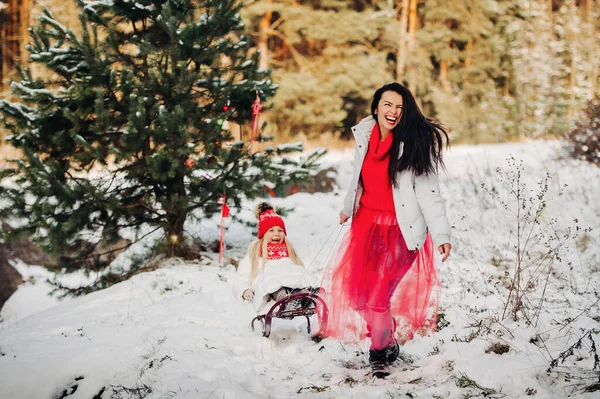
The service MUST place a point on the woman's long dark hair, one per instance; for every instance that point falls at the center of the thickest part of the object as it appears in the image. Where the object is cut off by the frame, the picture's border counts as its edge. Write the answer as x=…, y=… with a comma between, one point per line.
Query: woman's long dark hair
x=422, y=137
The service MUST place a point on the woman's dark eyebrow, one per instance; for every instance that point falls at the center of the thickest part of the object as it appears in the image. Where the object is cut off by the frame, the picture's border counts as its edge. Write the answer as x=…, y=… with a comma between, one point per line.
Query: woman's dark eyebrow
x=387, y=102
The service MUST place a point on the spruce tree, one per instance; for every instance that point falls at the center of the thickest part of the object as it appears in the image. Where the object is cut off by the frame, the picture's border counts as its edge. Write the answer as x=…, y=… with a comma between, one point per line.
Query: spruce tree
x=126, y=129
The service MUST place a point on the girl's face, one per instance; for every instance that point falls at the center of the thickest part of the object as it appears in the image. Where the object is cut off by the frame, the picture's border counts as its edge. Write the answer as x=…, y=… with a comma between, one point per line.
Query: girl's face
x=389, y=111
x=275, y=235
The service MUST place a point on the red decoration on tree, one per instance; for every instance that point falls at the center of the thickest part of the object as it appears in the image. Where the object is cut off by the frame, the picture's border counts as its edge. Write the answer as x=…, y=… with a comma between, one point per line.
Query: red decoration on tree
x=256, y=108
x=270, y=192
x=226, y=107
x=224, y=210
x=224, y=215
x=189, y=163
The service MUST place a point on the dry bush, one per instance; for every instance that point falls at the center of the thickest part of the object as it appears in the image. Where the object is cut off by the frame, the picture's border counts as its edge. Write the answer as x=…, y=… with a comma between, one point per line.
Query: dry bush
x=539, y=243
x=584, y=140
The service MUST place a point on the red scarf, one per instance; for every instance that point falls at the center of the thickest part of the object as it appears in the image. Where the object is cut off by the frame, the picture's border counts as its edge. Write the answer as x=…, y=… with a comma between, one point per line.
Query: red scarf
x=277, y=251
x=377, y=188
x=377, y=148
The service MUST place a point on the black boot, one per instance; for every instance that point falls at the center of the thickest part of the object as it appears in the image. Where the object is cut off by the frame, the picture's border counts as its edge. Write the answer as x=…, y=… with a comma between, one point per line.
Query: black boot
x=378, y=363
x=392, y=351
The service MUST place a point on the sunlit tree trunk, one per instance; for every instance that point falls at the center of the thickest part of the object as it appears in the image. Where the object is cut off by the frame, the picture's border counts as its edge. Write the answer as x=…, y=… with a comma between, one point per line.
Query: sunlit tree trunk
x=24, y=10
x=587, y=10
x=412, y=28
x=444, y=66
x=468, y=60
x=594, y=79
x=263, y=38
x=572, y=43
x=402, y=37
x=13, y=37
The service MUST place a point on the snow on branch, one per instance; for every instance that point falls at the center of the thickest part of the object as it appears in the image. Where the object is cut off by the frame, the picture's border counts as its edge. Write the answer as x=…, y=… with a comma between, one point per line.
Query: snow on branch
x=15, y=109
x=16, y=86
x=91, y=5
x=48, y=18
x=287, y=148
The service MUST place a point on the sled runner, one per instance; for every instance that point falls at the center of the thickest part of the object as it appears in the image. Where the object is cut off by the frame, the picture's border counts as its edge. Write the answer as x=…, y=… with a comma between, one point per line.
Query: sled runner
x=291, y=306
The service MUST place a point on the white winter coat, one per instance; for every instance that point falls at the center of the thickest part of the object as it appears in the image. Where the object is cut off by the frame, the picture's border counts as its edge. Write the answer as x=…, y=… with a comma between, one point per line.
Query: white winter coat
x=276, y=274
x=418, y=202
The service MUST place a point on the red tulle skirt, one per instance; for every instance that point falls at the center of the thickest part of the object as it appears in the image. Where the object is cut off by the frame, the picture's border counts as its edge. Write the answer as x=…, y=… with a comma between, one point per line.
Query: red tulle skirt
x=375, y=287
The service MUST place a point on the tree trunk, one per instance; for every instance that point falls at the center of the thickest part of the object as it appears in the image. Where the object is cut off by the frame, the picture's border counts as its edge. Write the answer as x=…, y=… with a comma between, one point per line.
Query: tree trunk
x=506, y=87
x=176, y=213
x=263, y=38
x=572, y=80
x=594, y=80
x=468, y=54
x=587, y=10
x=24, y=15
x=572, y=43
x=412, y=28
x=444, y=66
x=402, y=56
x=13, y=38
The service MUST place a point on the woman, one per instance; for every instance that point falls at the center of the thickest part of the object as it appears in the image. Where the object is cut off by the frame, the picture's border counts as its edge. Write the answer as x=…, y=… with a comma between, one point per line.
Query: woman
x=383, y=282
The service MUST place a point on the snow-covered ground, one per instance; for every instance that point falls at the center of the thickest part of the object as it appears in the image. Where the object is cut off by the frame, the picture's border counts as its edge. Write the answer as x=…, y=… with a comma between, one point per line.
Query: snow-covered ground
x=178, y=332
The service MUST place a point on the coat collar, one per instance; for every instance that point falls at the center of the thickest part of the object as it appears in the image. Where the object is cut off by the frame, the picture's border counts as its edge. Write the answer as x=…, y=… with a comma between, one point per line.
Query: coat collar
x=362, y=133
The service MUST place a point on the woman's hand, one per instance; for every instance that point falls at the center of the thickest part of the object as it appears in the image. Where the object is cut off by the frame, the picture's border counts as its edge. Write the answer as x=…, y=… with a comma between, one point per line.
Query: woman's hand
x=343, y=217
x=445, y=250
x=248, y=295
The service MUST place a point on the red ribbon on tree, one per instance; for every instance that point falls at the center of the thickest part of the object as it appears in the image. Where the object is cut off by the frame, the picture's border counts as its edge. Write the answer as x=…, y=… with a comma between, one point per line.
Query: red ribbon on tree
x=224, y=215
x=256, y=107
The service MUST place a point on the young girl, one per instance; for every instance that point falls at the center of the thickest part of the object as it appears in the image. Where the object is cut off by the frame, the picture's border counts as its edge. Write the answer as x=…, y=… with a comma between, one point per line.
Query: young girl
x=271, y=269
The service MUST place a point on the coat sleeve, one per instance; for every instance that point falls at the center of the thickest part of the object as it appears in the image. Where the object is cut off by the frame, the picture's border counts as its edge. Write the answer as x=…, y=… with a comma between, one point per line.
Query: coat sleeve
x=433, y=207
x=349, y=202
x=243, y=278
x=350, y=197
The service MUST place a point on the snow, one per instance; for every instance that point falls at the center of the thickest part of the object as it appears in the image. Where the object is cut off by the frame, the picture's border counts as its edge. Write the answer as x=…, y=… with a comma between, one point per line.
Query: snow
x=30, y=91
x=53, y=22
x=32, y=297
x=290, y=147
x=178, y=332
x=149, y=8
x=89, y=5
x=28, y=112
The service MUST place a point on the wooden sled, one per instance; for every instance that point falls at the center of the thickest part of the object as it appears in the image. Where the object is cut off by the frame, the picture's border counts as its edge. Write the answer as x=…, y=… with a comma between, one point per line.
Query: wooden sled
x=294, y=305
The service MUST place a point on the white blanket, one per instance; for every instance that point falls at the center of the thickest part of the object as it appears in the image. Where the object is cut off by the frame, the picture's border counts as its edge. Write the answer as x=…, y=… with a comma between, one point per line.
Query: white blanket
x=276, y=274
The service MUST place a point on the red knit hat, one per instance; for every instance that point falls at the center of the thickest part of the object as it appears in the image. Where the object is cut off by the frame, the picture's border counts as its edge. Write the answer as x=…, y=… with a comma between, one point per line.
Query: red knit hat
x=267, y=218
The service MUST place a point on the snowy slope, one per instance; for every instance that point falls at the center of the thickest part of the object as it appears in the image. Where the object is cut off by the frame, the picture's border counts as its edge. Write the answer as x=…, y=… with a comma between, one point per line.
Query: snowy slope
x=178, y=332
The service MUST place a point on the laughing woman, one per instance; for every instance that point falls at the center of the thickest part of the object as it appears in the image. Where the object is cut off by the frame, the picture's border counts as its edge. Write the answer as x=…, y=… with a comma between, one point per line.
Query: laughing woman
x=383, y=282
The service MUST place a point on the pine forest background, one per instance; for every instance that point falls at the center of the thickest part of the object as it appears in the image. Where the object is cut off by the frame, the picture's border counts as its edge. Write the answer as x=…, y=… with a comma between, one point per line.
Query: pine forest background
x=490, y=70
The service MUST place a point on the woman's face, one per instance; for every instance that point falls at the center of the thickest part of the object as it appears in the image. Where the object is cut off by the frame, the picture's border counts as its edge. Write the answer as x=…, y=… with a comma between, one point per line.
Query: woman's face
x=389, y=111
x=275, y=235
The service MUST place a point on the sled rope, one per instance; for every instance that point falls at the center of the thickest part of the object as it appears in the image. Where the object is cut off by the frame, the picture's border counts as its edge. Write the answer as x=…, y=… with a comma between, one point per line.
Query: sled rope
x=337, y=228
